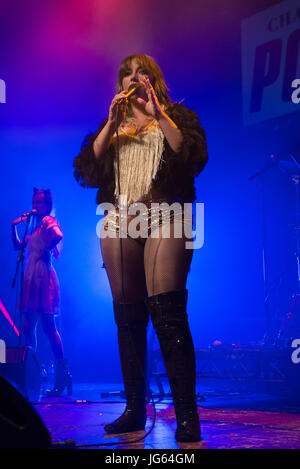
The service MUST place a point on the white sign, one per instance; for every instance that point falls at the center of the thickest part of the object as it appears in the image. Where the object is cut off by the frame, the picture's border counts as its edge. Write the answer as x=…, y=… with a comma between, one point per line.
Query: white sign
x=2, y=91
x=271, y=62
x=2, y=351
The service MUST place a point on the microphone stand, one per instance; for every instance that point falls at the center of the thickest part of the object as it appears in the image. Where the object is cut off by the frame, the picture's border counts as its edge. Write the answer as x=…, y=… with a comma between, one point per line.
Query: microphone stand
x=20, y=265
x=118, y=393
x=260, y=174
x=296, y=295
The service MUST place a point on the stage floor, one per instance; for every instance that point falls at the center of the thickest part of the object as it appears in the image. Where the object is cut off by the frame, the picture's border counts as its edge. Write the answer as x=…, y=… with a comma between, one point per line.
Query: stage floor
x=229, y=420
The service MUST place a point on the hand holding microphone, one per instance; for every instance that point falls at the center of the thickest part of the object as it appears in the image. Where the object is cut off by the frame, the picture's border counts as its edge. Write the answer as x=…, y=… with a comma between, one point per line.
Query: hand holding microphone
x=24, y=217
x=119, y=103
x=131, y=91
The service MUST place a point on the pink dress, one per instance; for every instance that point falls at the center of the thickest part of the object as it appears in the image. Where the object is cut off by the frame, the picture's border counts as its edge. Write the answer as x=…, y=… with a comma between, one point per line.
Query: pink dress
x=41, y=287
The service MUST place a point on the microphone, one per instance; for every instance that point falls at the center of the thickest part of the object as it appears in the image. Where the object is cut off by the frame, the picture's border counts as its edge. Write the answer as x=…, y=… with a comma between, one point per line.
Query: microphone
x=131, y=90
x=29, y=214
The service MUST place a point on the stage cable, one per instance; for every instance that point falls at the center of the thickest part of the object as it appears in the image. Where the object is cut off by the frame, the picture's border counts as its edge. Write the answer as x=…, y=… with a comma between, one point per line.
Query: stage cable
x=147, y=387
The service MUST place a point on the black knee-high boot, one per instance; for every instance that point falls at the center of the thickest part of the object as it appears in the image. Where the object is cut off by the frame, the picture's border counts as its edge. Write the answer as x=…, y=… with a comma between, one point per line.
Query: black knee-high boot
x=169, y=318
x=132, y=320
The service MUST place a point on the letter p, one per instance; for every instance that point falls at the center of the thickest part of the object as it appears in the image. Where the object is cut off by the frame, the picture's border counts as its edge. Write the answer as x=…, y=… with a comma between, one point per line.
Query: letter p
x=266, y=70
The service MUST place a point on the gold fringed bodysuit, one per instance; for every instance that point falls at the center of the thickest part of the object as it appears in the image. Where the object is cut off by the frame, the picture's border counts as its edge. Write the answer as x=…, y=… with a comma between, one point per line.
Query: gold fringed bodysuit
x=140, y=156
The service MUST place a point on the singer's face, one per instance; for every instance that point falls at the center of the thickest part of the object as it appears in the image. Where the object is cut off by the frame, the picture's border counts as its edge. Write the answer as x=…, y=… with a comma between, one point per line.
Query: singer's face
x=135, y=74
x=39, y=204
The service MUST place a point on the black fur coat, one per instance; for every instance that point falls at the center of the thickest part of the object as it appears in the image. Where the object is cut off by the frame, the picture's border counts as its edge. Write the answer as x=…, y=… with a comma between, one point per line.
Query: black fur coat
x=176, y=173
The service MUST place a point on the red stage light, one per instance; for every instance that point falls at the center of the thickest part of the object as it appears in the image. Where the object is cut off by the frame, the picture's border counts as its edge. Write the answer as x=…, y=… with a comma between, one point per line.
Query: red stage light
x=7, y=316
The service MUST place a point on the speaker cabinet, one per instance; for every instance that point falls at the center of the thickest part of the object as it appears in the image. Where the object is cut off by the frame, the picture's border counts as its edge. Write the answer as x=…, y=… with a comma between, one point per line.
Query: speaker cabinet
x=20, y=425
x=22, y=370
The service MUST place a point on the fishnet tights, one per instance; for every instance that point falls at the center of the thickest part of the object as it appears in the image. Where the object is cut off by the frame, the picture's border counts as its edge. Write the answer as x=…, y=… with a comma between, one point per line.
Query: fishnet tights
x=150, y=266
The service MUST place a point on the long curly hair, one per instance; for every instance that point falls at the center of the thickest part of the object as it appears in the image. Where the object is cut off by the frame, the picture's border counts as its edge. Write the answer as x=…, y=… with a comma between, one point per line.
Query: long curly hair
x=151, y=67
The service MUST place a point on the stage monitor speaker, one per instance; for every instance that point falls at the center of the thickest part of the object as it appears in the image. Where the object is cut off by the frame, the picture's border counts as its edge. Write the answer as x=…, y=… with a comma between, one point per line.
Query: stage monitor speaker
x=22, y=370
x=20, y=425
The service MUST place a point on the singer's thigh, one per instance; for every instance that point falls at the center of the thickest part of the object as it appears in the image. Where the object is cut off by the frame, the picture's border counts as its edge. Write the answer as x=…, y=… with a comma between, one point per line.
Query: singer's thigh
x=133, y=269
x=167, y=262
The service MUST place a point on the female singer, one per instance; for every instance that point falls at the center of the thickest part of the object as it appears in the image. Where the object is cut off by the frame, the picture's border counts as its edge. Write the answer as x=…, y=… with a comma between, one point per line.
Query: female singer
x=40, y=285
x=161, y=148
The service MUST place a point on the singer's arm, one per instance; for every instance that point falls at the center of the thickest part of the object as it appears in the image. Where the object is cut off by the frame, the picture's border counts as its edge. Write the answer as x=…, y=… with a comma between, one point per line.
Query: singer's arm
x=51, y=232
x=116, y=112
x=102, y=141
x=171, y=132
x=14, y=235
x=54, y=236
